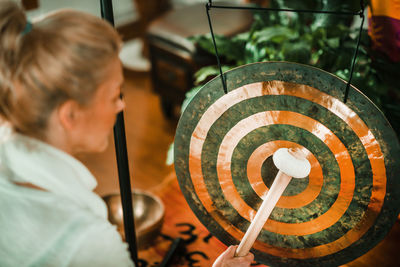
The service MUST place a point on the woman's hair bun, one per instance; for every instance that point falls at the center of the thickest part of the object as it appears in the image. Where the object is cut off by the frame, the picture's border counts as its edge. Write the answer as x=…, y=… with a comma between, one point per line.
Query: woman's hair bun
x=12, y=23
x=63, y=57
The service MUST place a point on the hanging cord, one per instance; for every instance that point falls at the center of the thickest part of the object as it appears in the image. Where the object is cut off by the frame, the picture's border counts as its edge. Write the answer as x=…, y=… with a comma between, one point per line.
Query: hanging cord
x=210, y=5
x=344, y=13
x=361, y=13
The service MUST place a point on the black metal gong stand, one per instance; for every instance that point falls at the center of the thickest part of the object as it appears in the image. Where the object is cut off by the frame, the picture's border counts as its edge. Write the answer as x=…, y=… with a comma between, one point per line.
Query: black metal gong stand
x=360, y=13
x=122, y=160
x=124, y=176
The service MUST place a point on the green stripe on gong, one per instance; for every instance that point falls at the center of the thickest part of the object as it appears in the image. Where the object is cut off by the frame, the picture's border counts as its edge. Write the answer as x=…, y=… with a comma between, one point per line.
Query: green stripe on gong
x=317, y=112
x=325, y=82
x=330, y=169
x=331, y=172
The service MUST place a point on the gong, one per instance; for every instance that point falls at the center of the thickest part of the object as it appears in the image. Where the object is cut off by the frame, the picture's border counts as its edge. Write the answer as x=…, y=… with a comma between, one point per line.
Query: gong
x=223, y=149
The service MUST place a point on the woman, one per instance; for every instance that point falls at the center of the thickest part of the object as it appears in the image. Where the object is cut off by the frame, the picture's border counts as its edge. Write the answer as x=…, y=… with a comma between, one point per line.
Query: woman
x=60, y=84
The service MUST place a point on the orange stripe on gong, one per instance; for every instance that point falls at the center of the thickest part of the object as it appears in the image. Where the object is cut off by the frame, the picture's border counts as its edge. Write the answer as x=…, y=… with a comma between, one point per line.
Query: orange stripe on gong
x=245, y=126
x=351, y=118
x=254, y=165
x=200, y=133
x=333, y=105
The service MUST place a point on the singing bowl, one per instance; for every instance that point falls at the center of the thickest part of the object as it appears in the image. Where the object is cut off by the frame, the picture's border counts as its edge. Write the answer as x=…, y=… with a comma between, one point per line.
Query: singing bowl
x=148, y=215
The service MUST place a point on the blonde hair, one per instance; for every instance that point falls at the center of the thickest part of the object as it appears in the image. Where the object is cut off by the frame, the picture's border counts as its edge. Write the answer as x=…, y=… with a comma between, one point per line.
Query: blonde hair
x=62, y=57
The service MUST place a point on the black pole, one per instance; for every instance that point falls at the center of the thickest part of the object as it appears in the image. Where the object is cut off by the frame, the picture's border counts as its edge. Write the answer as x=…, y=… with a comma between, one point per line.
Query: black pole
x=107, y=11
x=353, y=62
x=208, y=5
x=173, y=250
x=122, y=160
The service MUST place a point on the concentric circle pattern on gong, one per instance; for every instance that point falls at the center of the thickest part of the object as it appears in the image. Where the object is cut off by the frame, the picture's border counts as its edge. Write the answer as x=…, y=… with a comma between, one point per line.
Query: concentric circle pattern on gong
x=223, y=149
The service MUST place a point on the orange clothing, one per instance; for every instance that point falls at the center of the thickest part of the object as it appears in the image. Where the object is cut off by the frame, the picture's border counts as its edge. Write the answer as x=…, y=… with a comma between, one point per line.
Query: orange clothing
x=384, y=27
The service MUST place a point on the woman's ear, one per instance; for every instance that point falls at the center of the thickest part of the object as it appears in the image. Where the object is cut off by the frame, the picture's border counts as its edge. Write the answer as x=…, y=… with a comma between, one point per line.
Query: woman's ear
x=68, y=114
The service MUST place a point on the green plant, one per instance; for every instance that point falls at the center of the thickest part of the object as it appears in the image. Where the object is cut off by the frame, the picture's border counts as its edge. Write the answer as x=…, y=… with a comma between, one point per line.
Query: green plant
x=324, y=41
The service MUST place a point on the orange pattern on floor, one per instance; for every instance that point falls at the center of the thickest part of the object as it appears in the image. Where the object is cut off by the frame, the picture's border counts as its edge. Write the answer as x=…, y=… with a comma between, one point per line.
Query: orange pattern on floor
x=201, y=249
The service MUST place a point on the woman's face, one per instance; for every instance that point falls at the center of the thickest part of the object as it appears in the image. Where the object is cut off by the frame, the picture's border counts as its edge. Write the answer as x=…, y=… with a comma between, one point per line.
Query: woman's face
x=98, y=117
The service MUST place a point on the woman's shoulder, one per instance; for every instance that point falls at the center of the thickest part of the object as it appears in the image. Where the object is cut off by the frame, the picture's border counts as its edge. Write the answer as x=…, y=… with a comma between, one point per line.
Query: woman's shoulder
x=5, y=131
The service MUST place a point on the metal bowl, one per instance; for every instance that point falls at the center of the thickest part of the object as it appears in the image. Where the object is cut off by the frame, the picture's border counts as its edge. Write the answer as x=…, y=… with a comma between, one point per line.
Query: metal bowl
x=148, y=214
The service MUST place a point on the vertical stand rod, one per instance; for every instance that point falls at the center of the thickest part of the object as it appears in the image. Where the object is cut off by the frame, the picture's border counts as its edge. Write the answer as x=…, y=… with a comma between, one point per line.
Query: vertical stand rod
x=122, y=161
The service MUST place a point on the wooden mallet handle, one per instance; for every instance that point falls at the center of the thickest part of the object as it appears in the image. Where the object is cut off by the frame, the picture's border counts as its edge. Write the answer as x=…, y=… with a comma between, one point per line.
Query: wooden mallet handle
x=290, y=163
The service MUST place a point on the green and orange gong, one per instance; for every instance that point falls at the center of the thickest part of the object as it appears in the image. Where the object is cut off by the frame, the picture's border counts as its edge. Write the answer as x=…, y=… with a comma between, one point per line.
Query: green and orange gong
x=223, y=148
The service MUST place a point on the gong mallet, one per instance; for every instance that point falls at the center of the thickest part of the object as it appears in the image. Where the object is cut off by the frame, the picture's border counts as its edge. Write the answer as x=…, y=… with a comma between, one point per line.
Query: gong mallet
x=290, y=163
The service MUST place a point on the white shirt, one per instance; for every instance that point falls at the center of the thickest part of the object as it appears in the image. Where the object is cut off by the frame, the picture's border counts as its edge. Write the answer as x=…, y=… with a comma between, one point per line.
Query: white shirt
x=65, y=225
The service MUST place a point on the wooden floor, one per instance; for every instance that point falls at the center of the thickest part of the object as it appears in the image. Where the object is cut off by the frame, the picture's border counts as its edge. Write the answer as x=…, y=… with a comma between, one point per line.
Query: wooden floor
x=149, y=135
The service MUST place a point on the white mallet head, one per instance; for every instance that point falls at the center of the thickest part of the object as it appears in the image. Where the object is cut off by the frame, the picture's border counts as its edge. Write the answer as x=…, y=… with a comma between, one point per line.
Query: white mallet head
x=291, y=162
